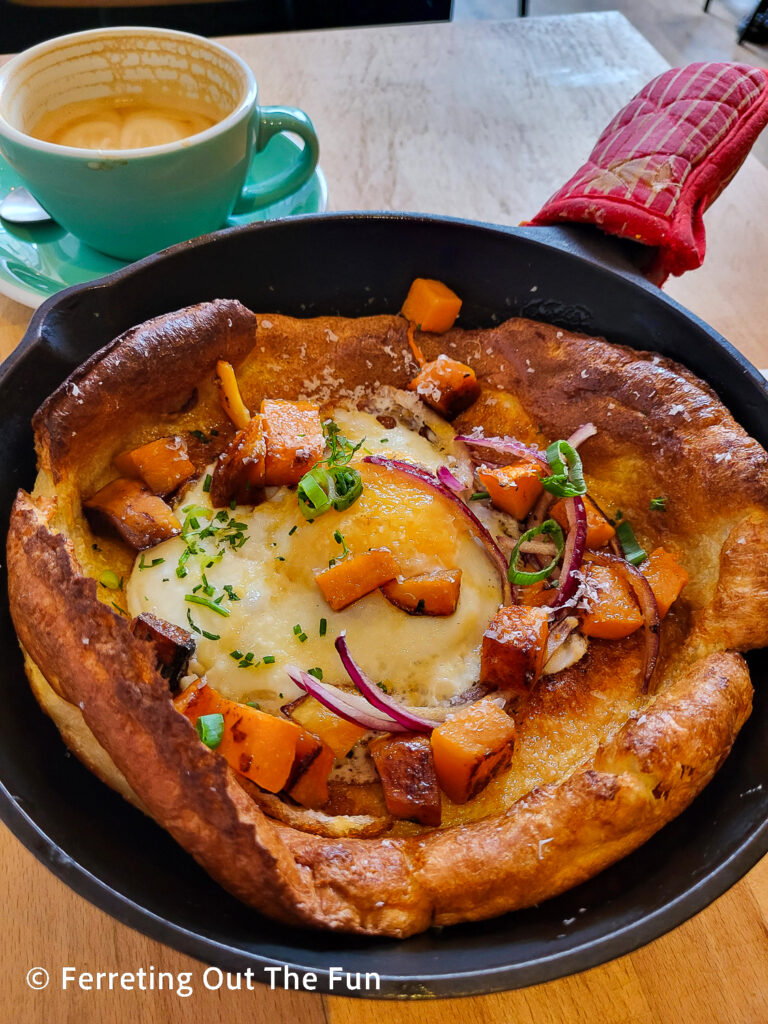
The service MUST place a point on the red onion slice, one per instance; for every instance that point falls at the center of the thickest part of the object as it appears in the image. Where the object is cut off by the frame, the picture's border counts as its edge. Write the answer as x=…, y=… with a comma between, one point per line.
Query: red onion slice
x=493, y=549
x=507, y=446
x=641, y=588
x=380, y=700
x=446, y=477
x=582, y=434
x=348, y=706
x=574, y=550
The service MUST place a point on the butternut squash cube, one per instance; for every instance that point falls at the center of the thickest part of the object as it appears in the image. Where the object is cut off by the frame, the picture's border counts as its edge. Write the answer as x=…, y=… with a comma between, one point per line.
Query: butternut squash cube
x=471, y=748
x=294, y=439
x=346, y=582
x=431, y=593
x=514, y=489
x=163, y=465
x=335, y=732
x=599, y=530
x=407, y=772
x=446, y=385
x=514, y=646
x=240, y=469
x=129, y=509
x=666, y=577
x=431, y=305
x=308, y=783
x=614, y=611
x=260, y=746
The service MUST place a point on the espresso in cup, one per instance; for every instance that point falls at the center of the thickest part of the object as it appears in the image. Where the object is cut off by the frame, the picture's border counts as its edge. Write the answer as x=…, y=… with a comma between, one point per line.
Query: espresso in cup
x=122, y=122
x=136, y=138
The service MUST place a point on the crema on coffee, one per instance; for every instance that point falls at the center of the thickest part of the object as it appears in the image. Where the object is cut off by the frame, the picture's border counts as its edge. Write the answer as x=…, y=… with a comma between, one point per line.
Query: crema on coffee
x=121, y=123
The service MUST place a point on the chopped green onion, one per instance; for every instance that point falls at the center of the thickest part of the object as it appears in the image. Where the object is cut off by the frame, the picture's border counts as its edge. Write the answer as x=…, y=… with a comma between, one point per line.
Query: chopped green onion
x=323, y=626
x=152, y=564
x=520, y=578
x=110, y=580
x=479, y=496
x=210, y=729
x=207, y=603
x=629, y=545
x=567, y=479
x=659, y=504
x=313, y=498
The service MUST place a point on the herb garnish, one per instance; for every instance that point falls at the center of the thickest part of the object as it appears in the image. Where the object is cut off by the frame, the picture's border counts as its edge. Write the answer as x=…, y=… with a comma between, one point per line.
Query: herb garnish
x=316, y=672
x=338, y=536
x=210, y=729
x=331, y=483
x=520, y=578
x=629, y=545
x=659, y=504
x=111, y=580
x=201, y=632
x=201, y=524
x=567, y=477
x=200, y=436
x=479, y=496
x=152, y=564
x=323, y=627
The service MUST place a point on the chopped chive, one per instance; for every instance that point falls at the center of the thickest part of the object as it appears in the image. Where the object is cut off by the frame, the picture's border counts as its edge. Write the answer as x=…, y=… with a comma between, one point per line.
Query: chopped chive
x=253, y=704
x=121, y=610
x=237, y=655
x=200, y=436
x=659, y=504
x=302, y=637
x=110, y=580
x=292, y=530
x=210, y=729
x=279, y=558
x=297, y=629
x=233, y=504
x=207, y=603
x=479, y=496
x=210, y=636
x=323, y=626
x=316, y=672
x=152, y=564
x=207, y=483
x=268, y=659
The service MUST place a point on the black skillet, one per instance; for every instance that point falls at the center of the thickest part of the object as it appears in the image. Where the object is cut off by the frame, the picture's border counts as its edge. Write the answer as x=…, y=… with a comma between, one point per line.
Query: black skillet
x=353, y=265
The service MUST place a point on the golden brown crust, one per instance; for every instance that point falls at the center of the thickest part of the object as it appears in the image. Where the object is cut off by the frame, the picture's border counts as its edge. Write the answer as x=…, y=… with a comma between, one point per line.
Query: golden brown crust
x=637, y=766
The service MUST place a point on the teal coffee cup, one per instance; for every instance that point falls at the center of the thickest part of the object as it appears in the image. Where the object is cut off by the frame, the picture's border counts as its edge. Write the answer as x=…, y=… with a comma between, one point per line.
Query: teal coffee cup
x=136, y=138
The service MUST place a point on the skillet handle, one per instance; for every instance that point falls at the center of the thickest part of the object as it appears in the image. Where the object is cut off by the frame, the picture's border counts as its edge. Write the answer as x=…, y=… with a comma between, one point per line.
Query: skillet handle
x=664, y=159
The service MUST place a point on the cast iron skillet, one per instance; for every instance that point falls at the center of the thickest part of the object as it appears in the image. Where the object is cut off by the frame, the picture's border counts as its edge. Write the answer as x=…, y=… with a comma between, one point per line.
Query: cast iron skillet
x=353, y=265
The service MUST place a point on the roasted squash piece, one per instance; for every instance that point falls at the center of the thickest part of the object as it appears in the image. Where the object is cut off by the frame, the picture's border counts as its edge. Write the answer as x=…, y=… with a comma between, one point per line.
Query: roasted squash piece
x=294, y=439
x=599, y=530
x=308, y=782
x=239, y=470
x=514, y=489
x=430, y=593
x=347, y=581
x=129, y=509
x=260, y=746
x=472, y=747
x=229, y=392
x=614, y=611
x=666, y=577
x=446, y=385
x=407, y=772
x=514, y=646
x=173, y=645
x=536, y=595
x=163, y=465
x=431, y=305
x=335, y=732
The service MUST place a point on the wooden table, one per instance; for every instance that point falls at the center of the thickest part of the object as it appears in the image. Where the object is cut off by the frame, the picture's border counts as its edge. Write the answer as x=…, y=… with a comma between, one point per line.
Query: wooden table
x=481, y=120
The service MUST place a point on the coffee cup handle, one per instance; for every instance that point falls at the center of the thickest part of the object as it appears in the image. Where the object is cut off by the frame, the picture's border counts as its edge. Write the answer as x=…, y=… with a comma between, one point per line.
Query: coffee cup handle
x=269, y=121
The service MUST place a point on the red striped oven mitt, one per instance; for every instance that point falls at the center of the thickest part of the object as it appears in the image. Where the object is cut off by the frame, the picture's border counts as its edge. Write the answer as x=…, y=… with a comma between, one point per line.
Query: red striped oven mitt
x=665, y=158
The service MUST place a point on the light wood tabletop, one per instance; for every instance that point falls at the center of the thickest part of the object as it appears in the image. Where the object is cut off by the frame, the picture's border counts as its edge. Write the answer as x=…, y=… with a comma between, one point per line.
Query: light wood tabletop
x=479, y=120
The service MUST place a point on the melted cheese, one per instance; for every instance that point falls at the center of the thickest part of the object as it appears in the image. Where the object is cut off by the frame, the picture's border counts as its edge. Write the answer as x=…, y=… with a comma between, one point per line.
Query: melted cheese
x=425, y=660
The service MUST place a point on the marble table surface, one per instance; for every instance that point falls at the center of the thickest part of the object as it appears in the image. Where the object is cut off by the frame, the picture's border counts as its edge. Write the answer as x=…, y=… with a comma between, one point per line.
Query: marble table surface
x=481, y=120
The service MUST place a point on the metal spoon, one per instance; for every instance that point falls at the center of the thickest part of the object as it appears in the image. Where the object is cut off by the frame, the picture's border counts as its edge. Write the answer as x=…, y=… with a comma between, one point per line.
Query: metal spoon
x=21, y=207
